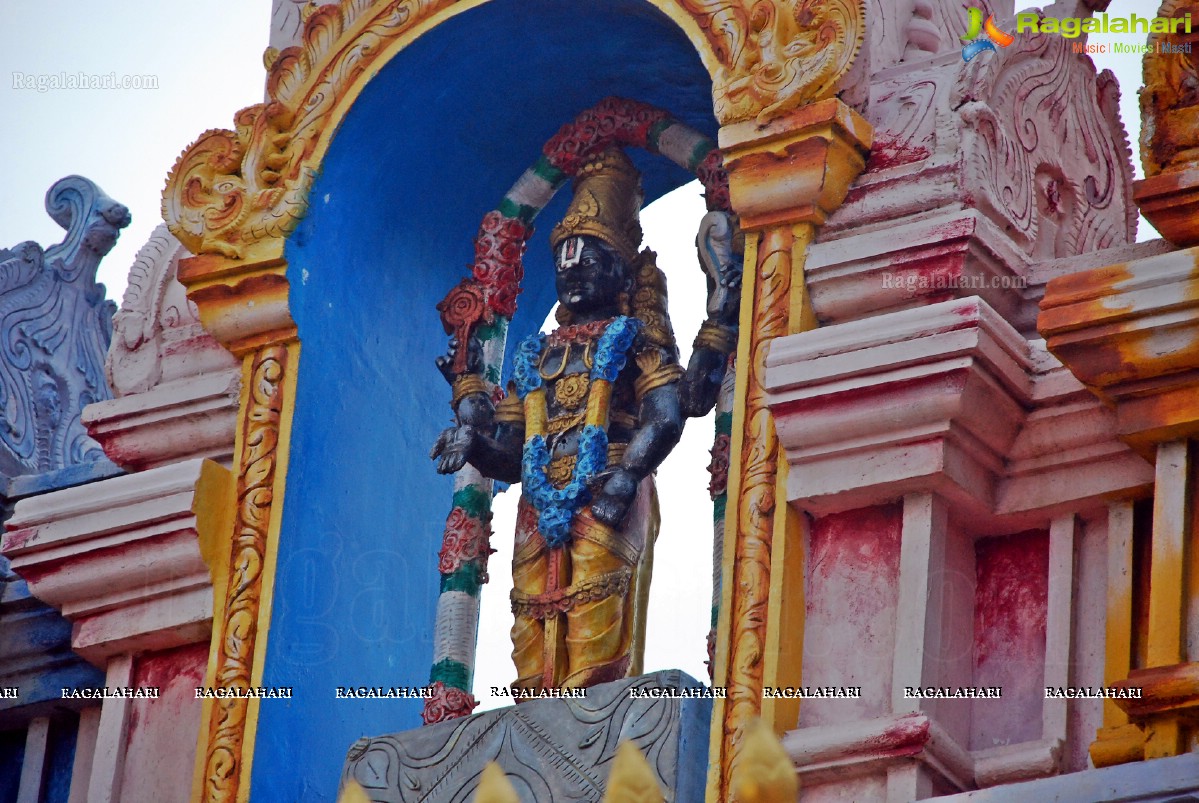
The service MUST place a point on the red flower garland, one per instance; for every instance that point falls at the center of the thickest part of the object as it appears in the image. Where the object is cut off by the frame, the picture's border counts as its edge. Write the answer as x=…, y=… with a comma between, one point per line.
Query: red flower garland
x=447, y=703
x=499, y=248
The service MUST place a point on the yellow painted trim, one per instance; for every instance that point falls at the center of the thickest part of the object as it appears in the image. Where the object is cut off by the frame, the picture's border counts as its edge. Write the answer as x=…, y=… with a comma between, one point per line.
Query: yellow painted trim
x=1118, y=660
x=1171, y=525
x=270, y=562
x=720, y=674
x=786, y=611
x=213, y=505
x=801, y=316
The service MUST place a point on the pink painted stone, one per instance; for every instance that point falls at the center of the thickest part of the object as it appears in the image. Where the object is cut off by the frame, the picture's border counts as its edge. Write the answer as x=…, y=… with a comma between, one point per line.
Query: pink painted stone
x=1009, y=637
x=160, y=751
x=850, y=626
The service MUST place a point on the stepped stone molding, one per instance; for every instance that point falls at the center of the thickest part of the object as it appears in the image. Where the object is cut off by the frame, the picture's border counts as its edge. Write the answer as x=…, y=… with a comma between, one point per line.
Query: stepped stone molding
x=946, y=398
x=120, y=559
x=176, y=387
x=1130, y=332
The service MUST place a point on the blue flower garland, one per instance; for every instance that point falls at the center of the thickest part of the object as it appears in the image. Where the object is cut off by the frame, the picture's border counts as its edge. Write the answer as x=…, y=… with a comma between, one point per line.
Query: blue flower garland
x=557, y=506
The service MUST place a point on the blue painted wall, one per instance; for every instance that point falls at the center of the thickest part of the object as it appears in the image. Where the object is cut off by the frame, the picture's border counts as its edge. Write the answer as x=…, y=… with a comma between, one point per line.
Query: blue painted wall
x=430, y=146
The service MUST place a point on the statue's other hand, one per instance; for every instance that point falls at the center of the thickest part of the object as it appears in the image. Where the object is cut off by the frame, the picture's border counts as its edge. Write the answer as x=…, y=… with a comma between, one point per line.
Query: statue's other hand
x=720, y=260
x=612, y=504
x=474, y=359
x=453, y=447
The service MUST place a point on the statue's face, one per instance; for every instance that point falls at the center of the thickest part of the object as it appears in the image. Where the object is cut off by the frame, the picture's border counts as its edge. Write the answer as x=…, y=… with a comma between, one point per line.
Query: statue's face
x=590, y=276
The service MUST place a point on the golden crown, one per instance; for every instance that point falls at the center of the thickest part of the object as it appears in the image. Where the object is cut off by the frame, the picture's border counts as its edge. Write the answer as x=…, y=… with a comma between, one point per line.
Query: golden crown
x=606, y=204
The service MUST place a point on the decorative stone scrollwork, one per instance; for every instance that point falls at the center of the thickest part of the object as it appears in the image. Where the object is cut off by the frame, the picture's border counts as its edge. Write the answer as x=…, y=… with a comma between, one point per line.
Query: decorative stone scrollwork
x=777, y=55
x=55, y=324
x=157, y=335
x=232, y=189
x=1019, y=107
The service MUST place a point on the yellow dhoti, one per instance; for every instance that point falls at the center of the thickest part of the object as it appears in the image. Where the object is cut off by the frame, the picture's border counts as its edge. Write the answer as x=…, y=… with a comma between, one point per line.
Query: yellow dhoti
x=576, y=606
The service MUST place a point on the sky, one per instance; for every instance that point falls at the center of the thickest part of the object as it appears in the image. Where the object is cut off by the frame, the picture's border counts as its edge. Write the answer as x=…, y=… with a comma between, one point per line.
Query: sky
x=195, y=64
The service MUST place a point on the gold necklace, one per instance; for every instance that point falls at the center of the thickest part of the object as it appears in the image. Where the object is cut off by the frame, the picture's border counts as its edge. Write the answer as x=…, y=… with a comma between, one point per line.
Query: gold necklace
x=561, y=368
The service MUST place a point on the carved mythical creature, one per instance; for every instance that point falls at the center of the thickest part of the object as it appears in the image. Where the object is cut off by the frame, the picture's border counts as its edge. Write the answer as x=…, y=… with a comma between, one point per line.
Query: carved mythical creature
x=593, y=409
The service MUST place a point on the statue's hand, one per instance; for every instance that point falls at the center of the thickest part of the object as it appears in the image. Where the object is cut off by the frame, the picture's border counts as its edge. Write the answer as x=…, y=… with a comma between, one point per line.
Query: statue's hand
x=612, y=504
x=474, y=359
x=454, y=447
x=718, y=256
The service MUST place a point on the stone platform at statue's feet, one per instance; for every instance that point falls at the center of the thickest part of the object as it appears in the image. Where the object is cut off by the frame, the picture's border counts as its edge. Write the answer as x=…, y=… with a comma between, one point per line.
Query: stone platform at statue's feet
x=551, y=749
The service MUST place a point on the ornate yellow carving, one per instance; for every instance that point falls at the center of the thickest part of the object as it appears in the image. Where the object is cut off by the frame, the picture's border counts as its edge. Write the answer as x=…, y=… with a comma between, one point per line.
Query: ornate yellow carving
x=1170, y=99
x=827, y=143
x=632, y=780
x=777, y=55
x=232, y=190
x=571, y=390
x=764, y=773
x=237, y=631
x=494, y=786
x=754, y=492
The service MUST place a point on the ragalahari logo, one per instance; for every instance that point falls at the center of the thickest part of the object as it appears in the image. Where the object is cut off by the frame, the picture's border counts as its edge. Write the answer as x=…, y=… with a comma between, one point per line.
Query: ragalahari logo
x=982, y=35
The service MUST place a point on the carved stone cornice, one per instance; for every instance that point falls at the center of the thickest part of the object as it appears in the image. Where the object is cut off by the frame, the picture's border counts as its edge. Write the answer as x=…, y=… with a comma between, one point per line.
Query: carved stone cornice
x=947, y=398
x=1130, y=333
x=243, y=304
x=933, y=396
x=797, y=168
x=80, y=549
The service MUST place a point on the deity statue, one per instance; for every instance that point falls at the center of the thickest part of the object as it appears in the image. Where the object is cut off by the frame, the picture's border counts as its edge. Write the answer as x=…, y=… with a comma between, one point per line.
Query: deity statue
x=593, y=408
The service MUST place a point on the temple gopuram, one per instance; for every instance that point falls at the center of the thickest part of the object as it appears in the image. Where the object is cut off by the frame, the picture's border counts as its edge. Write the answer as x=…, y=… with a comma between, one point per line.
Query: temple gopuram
x=249, y=514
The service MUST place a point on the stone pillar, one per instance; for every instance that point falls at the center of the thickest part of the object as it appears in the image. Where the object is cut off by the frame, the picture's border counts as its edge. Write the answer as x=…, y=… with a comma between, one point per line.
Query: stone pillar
x=1128, y=332
x=243, y=304
x=784, y=179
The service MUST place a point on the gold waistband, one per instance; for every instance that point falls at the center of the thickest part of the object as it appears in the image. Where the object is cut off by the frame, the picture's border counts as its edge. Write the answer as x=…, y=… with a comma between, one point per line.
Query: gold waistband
x=561, y=468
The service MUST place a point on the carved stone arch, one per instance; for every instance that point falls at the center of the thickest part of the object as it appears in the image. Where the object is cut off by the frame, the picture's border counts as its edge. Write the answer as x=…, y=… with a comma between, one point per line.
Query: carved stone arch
x=279, y=258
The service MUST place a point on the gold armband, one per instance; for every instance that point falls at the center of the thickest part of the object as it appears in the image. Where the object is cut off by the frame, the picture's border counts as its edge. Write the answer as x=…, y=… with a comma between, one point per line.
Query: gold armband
x=467, y=384
x=654, y=372
x=510, y=410
x=717, y=337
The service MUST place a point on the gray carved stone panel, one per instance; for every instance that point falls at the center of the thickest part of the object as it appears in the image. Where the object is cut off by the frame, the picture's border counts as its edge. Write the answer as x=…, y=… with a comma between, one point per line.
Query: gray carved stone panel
x=55, y=327
x=551, y=750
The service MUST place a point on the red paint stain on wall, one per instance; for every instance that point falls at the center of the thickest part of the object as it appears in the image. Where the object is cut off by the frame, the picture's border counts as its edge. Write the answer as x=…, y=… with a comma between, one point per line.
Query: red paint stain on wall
x=1013, y=589
x=1009, y=635
x=163, y=733
x=853, y=569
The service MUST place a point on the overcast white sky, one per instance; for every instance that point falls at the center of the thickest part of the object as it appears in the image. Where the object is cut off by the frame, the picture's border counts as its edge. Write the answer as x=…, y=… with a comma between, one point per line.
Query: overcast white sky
x=205, y=57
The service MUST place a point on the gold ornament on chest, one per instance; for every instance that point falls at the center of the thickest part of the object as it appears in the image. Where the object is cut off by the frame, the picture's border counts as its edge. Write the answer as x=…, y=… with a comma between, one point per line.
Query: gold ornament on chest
x=570, y=391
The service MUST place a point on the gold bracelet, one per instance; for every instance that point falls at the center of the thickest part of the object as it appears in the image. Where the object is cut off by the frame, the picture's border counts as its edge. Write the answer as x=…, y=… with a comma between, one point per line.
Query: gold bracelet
x=717, y=337
x=467, y=384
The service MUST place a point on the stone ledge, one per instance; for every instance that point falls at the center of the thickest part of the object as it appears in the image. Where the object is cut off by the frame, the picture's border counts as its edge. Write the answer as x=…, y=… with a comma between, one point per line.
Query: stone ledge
x=550, y=749
x=120, y=559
